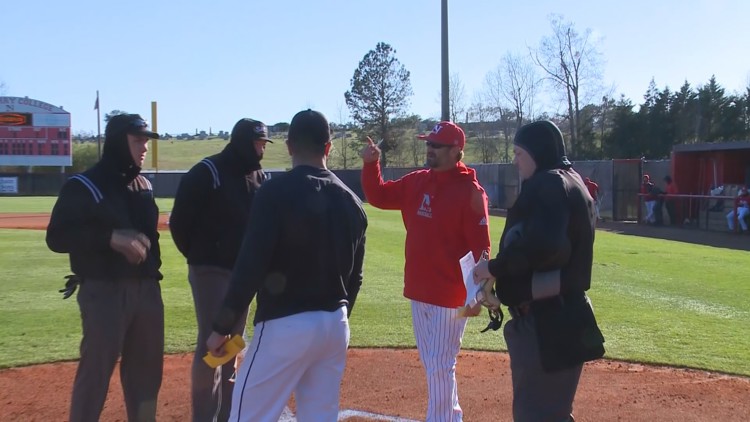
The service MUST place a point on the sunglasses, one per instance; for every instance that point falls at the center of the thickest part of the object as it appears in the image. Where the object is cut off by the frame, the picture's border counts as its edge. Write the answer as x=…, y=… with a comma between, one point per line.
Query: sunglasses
x=433, y=145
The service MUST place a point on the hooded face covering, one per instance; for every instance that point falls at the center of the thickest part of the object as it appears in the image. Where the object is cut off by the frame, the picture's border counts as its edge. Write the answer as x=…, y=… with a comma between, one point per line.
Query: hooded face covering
x=242, y=142
x=116, y=151
x=544, y=142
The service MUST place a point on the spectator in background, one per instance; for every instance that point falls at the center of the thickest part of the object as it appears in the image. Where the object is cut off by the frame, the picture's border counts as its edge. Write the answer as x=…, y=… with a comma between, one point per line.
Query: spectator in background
x=593, y=188
x=717, y=191
x=740, y=211
x=647, y=190
x=670, y=201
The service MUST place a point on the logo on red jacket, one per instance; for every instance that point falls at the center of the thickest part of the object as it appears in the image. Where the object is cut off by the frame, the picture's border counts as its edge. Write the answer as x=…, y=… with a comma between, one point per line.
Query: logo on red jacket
x=425, y=210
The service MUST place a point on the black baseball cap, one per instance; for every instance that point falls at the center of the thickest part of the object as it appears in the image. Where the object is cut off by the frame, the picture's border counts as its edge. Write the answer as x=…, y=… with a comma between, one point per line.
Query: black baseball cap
x=309, y=126
x=250, y=130
x=132, y=124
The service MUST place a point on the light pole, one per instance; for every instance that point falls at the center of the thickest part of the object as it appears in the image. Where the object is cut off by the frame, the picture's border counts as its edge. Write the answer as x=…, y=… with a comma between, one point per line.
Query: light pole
x=445, y=109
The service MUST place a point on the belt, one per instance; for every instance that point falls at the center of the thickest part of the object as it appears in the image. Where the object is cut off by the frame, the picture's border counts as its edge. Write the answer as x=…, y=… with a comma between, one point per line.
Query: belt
x=520, y=310
x=525, y=308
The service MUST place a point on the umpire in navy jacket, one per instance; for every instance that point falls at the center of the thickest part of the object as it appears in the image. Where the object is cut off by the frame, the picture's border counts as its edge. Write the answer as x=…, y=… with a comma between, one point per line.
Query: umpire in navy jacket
x=542, y=271
x=106, y=220
x=208, y=222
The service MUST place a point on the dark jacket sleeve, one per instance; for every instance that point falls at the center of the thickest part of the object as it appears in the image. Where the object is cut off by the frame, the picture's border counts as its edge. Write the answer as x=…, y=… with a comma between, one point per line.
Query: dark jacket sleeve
x=73, y=225
x=253, y=260
x=539, y=242
x=355, y=280
x=188, y=204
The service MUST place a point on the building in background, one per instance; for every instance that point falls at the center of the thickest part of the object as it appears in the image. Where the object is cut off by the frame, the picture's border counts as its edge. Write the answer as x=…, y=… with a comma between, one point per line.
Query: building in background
x=34, y=133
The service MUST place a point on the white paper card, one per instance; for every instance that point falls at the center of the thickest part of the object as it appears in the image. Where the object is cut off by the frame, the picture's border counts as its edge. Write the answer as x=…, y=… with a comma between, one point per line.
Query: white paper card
x=467, y=270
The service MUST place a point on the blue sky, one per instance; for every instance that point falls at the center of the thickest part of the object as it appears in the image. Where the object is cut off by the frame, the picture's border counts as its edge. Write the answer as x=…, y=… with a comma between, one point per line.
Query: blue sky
x=209, y=63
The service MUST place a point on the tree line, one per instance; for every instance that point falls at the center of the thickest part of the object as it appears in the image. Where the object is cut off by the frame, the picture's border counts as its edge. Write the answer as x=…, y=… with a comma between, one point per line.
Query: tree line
x=567, y=66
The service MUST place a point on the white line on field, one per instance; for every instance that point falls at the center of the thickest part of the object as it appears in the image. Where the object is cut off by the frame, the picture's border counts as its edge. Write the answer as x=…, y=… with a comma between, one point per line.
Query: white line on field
x=288, y=416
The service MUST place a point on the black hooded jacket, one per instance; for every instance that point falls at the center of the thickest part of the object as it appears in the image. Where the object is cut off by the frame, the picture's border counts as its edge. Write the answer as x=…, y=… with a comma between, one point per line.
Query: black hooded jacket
x=546, y=248
x=212, y=205
x=110, y=195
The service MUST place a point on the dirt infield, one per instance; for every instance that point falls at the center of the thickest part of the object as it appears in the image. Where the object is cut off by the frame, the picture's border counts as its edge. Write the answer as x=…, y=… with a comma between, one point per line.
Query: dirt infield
x=392, y=382
x=39, y=221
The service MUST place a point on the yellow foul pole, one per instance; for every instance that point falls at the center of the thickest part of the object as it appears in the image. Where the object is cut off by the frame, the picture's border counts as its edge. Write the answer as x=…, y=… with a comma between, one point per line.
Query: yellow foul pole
x=154, y=142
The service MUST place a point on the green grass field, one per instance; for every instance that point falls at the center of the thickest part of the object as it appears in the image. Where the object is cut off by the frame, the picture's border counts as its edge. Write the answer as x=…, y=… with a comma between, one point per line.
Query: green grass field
x=656, y=301
x=175, y=154
x=182, y=155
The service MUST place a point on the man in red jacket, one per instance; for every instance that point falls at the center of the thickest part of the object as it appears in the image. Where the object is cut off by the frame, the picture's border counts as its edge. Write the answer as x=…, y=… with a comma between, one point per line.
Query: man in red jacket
x=444, y=210
x=593, y=189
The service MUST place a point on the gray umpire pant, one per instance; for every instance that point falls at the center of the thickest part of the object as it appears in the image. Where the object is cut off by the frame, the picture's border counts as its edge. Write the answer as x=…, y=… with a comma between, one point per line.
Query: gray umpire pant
x=120, y=318
x=211, y=389
x=537, y=395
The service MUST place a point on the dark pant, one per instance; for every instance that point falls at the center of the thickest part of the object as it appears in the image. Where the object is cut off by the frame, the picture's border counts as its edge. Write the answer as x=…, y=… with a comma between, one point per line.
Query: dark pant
x=211, y=388
x=537, y=395
x=671, y=212
x=123, y=318
x=658, y=212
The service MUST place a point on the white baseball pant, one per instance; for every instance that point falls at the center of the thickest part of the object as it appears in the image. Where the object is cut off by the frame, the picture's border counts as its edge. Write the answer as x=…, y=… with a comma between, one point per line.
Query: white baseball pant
x=438, y=332
x=304, y=354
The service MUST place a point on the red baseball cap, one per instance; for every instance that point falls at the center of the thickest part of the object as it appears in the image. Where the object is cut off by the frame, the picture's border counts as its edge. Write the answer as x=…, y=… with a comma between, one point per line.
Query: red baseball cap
x=446, y=133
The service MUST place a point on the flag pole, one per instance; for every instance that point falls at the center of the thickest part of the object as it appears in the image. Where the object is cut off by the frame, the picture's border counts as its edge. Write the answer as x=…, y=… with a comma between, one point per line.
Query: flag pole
x=98, y=127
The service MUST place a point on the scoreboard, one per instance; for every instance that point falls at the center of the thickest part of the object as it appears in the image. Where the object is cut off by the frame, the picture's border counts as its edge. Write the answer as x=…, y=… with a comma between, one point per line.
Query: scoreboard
x=34, y=133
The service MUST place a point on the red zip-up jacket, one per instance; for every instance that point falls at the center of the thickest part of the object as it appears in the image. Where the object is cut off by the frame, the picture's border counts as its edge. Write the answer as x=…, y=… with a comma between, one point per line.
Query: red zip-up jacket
x=445, y=215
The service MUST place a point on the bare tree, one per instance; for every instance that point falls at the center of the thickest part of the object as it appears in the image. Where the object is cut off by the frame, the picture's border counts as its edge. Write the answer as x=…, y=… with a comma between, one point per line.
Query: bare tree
x=416, y=151
x=494, y=98
x=3, y=88
x=407, y=152
x=343, y=150
x=573, y=63
x=481, y=113
x=519, y=84
x=456, y=97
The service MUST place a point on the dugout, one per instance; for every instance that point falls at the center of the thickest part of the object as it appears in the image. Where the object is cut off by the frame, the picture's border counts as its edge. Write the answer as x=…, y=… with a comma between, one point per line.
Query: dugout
x=696, y=168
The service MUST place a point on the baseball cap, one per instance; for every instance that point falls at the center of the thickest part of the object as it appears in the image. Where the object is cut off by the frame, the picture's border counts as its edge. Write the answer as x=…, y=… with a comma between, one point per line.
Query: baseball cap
x=446, y=133
x=309, y=126
x=250, y=130
x=132, y=124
